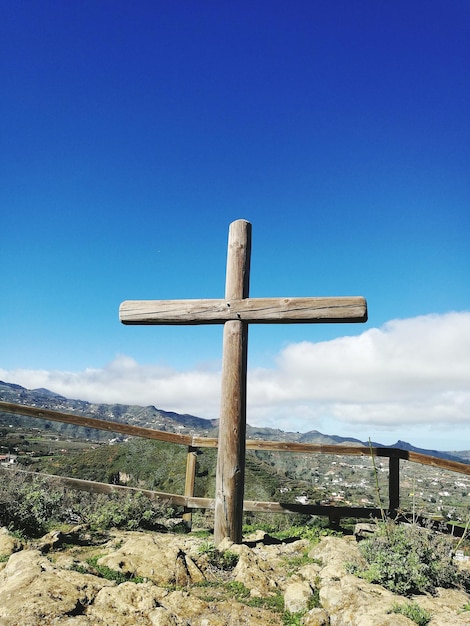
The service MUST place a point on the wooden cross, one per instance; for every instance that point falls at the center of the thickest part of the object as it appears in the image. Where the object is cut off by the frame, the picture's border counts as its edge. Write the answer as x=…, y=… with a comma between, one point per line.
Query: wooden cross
x=236, y=311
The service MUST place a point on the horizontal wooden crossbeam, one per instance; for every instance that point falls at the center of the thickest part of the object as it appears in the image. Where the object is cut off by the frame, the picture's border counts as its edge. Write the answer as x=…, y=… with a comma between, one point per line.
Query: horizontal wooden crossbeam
x=250, y=310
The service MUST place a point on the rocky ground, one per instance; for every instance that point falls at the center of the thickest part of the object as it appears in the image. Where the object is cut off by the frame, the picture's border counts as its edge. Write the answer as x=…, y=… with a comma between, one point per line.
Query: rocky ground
x=64, y=578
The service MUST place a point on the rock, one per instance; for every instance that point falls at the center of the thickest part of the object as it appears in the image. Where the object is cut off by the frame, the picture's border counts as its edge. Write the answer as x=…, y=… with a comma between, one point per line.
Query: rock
x=297, y=596
x=255, y=572
x=310, y=572
x=364, y=531
x=8, y=543
x=225, y=544
x=446, y=607
x=32, y=591
x=171, y=524
x=333, y=553
x=163, y=559
x=77, y=535
x=131, y=604
x=48, y=542
x=353, y=602
x=38, y=589
x=316, y=617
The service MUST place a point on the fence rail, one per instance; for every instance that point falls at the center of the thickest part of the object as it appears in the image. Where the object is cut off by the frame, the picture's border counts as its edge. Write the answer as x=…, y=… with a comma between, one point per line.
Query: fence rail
x=193, y=443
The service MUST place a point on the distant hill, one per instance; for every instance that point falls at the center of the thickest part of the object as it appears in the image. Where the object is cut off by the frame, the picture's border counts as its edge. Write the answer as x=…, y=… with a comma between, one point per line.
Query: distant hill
x=152, y=417
x=149, y=417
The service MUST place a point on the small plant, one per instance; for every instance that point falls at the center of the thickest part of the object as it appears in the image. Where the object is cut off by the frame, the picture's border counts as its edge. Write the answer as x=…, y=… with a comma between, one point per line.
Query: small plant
x=274, y=602
x=295, y=562
x=237, y=590
x=407, y=559
x=110, y=574
x=412, y=611
x=292, y=619
x=226, y=560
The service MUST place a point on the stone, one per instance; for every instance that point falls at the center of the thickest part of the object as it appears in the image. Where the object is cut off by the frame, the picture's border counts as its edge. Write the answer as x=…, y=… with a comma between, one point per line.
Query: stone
x=364, y=531
x=161, y=558
x=32, y=590
x=316, y=617
x=131, y=604
x=297, y=596
x=38, y=589
x=8, y=543
x=255, y=572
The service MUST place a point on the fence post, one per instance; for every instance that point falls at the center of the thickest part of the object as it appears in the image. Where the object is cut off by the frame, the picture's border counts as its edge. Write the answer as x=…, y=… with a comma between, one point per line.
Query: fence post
x=230, y=474
x=393, y=485
x=189, y=483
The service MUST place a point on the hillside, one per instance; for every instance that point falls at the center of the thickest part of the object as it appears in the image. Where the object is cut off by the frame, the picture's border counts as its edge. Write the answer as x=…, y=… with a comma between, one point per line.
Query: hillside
x=152, y=417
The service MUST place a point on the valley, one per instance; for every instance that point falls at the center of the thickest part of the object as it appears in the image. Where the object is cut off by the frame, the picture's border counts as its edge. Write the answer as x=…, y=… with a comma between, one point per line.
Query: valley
x=327, y=479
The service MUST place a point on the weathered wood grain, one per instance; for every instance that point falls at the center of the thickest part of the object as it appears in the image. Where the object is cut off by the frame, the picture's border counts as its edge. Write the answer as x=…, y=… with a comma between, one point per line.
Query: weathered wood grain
x=250, y=310
x=230, y=475
x=191, y=462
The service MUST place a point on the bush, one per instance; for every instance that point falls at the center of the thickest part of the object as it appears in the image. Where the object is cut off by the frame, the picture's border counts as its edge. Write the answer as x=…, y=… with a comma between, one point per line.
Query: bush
x=407, y=559
x=32, y=505
x=27, y=504
x=130, y=511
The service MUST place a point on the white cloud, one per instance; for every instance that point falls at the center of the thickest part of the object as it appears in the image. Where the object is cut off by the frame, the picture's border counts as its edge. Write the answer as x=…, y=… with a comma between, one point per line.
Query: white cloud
x=127, y=382
x=410, y=373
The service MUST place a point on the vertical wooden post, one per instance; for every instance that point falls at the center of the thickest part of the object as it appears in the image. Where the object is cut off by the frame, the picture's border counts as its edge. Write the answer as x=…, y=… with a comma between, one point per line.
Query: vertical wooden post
x=189, y=482
x=230, y=478
x=393, y=486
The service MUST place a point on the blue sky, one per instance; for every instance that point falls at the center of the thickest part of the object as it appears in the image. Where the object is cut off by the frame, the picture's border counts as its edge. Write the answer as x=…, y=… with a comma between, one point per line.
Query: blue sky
x=133, y=134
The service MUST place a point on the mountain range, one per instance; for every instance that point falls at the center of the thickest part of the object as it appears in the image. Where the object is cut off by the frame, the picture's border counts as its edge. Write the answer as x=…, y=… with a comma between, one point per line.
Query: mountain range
x=152, y=417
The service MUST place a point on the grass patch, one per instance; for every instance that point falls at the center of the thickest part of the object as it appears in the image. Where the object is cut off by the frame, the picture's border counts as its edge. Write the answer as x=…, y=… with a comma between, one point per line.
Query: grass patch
x=237, y=591
x=292, y=619
x=296, y=562
x=311, y=532
x=412, y=611
x=106, y=572
x=273, y=603
x=225, y=560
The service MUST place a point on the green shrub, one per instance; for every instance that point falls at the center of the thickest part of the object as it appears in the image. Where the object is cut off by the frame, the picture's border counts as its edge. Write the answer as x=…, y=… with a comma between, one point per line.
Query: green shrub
x=407, y=559
x=31, y=505
x=225, y=560
x=130, y=511
x=312, y=531
x=27, y=504
x=412, y=611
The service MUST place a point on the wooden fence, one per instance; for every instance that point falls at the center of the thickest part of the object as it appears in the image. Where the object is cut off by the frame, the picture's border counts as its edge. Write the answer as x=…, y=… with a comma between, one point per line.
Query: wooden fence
x=194, y=443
